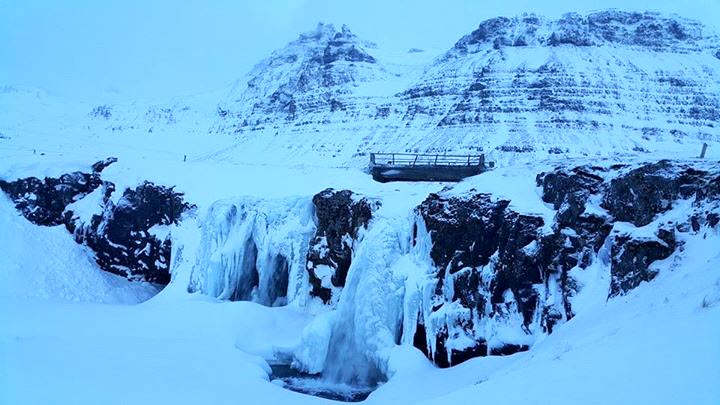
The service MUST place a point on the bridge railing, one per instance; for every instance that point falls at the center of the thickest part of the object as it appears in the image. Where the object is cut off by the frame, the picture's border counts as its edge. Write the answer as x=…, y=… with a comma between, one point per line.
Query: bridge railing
x=419, y=159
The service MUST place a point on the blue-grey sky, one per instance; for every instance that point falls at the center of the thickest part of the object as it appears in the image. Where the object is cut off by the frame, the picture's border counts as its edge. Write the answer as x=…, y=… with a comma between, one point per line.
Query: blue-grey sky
x=155, y=48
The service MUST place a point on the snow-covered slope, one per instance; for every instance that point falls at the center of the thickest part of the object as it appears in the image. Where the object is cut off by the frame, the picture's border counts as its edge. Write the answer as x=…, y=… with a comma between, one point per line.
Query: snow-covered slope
x=45, y=263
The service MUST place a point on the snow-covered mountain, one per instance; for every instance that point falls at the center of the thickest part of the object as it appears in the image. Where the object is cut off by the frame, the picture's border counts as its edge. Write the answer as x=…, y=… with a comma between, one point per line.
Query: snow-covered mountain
x=610, y=81
x=516, y=88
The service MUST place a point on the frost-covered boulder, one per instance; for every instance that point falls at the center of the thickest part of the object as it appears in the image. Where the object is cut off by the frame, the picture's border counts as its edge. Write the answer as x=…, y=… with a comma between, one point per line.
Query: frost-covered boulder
x=341, y=215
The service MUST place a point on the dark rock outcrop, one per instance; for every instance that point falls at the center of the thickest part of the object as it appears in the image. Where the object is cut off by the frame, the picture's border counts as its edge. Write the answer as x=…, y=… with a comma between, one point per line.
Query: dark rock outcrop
x=631, y=259
x=121, y=236
x=467, y=235
x=494, y=265
x=43, y=202
x=340, y=216
x=641, y=194
x=122, y=239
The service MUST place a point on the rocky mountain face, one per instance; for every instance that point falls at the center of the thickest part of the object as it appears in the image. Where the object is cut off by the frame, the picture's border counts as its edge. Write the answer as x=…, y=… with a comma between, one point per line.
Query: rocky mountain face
x=516, y=88
x=606, y=82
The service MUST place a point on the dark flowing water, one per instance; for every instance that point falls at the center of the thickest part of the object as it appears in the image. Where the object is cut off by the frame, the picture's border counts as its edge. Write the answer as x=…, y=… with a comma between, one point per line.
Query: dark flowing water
x=297, y=381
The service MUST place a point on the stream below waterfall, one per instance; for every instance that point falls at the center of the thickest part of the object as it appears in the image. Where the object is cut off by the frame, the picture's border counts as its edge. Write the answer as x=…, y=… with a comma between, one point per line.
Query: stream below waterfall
x=310, y=384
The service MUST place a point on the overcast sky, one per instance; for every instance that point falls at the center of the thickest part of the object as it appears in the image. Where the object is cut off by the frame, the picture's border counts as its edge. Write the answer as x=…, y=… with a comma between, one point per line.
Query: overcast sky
x=145, y=48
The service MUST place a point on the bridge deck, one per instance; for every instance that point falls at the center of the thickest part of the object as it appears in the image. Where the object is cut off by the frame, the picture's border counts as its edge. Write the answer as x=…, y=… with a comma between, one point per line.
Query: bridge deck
x=425, y=167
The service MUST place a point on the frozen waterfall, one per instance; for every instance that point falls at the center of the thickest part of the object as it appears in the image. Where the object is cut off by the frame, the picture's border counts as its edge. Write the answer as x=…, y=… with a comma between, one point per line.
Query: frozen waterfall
x=254, y=250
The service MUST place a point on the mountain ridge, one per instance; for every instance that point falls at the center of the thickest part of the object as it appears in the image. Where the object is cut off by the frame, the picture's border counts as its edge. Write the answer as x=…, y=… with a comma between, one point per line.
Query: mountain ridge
x=517, y=88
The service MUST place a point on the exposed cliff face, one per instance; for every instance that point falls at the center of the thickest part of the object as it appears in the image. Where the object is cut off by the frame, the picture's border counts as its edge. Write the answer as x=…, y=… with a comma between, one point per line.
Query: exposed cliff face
x=120, y=234
x=644, y=29
x=643, y=193
x=497, y=270
x=483, y=252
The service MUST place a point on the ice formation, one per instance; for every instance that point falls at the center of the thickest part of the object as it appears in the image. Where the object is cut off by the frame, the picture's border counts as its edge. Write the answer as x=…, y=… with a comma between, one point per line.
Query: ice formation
x=254, y=250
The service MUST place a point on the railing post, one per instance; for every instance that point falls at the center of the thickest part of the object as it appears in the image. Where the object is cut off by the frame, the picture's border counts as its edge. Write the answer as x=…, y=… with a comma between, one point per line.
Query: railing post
x=436, y=158
x=393, y=159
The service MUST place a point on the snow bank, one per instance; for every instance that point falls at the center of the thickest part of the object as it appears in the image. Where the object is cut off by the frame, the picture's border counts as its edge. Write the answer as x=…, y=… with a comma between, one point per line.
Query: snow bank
x=45, y=263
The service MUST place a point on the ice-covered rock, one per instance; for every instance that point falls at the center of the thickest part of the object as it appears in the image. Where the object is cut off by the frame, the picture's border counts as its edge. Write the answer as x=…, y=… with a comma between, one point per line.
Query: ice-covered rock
x=631, y=259
x=493, y=266
x=643, y=193
x=340, y=216
x=504, y=278
x=122, y=235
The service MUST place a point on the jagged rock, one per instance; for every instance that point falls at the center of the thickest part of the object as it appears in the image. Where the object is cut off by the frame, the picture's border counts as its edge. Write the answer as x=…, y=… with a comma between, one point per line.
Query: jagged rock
x=122, y=238
x=98, y=167
x=572, y=30
x=340, y=216
x=485, y=250
x=632, y=257
x=641, y=194
x=569, y=191
x=43, y=202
